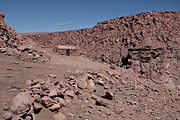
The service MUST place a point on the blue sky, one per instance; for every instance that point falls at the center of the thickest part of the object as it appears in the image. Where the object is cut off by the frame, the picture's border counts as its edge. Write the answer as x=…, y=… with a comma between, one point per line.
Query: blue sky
x=61, y=15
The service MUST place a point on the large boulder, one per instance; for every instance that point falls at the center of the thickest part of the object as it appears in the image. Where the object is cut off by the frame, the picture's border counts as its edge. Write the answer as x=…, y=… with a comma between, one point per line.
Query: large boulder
x=22, y=103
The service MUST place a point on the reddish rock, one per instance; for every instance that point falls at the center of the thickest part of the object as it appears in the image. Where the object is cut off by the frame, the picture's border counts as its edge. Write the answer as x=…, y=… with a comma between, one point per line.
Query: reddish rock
x=21, y=103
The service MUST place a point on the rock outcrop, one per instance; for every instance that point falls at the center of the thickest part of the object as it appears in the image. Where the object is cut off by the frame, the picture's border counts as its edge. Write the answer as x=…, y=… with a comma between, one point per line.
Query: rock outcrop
x=14, y=44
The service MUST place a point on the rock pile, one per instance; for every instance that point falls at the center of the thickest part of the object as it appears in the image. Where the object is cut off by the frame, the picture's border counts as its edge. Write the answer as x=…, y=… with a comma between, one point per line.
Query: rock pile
x=105, y=95
x=13, y=44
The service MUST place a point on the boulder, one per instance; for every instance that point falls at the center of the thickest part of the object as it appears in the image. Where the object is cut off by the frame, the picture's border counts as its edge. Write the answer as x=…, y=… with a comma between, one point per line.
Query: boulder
x=55, y=107
x=81, y=79
x=47, y=102
x=21, y=103
x=52, y=93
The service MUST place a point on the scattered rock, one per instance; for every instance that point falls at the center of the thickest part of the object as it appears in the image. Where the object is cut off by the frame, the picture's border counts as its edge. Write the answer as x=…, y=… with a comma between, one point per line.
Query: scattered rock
x=28, y=118
x=52, y=93
x=54, y=107
x=101, y=103
x=16, y=63
x=81, y=79
x=91, y=83
x=6, y=107
x=55, y=82
x=7, y=76
x=7, y=116
x=60, y=94
x=100, y=82
x=110, y=73
x=32, y=82
x=108, y=96
x=70, y=115
x=28, y=67
x=9, y=69
x=51, y=67
x=25, y=48
x=112, y=66
x=3, y=50
x=70, y=93
x=41, y=82
x=37, y=97
x=52, y=75
x=37, y=107
x=82, y=84
x=9, y=52
x=79, y=95
x=68, y=75
x=46, y=102
x=93, y=96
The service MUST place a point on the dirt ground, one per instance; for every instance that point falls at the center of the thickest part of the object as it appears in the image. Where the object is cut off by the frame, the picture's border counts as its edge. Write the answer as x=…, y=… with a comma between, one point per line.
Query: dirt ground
x=14, y=73
x=133, y=98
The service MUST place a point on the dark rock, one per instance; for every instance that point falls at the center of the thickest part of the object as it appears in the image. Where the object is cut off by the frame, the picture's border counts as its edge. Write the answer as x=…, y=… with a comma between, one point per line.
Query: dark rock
x=79, y=95
x=37, y=107
x=108, y=96
x=101, y=103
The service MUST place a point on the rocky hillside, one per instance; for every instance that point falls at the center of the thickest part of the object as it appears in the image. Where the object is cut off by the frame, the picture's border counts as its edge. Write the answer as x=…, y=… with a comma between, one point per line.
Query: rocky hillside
x=76, y=88
x=147, y=42
x=13, y=44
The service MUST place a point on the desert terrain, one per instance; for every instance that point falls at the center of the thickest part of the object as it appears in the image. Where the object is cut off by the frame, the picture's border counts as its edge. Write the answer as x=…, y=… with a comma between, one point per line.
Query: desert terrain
x=126, y=68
